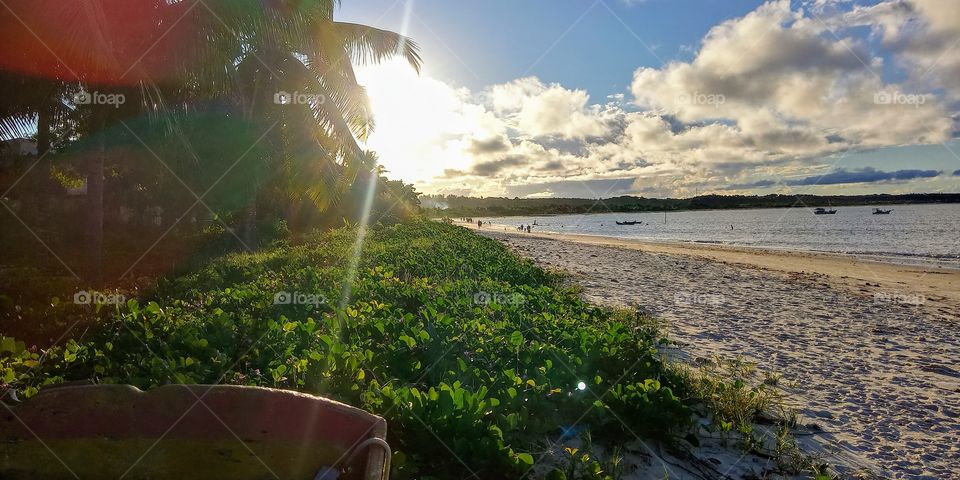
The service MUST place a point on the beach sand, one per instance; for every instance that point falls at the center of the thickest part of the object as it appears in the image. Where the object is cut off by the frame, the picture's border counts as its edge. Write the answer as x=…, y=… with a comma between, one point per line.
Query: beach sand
x=868, y=353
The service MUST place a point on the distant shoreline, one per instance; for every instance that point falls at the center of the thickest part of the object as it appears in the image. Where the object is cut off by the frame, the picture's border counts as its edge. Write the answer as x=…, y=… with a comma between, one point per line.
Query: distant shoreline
x=944, y=256
x=453, y=206
x=938, y=289
x=436, y=216
x=682, y=210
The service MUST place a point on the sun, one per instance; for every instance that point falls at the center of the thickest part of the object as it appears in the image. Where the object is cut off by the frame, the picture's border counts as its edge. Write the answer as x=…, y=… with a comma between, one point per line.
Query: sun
x=419, y=121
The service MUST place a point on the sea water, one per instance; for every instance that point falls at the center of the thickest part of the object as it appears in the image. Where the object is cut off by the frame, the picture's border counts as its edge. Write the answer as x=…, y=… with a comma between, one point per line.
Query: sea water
x=912, y=234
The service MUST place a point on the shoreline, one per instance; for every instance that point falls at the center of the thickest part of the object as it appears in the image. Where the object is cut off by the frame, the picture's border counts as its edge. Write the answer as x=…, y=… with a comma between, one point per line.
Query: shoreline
x=937, y=290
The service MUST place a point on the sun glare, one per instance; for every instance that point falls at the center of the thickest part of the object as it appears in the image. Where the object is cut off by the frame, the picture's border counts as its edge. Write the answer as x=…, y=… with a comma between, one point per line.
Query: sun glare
x=419, y=121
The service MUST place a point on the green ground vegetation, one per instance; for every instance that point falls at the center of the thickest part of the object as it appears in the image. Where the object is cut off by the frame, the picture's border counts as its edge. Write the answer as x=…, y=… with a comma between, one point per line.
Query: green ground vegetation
x=473, y=355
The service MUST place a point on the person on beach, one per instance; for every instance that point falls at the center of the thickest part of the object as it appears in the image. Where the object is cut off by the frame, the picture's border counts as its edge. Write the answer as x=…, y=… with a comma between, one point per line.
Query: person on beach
x=479, y=223
x=528, y=228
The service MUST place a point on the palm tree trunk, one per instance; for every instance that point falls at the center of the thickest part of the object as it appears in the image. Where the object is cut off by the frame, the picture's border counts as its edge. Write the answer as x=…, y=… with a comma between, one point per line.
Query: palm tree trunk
x=43, y=145
x=94, y=223
x=250, y=237
x=43, y=129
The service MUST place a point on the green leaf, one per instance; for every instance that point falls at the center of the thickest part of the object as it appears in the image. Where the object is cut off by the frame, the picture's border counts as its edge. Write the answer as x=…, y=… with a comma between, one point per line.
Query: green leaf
x=516, y=338
x=556, y=474
x=525, y=458
x=12, y=345
x=278, y=372
x=446, y=402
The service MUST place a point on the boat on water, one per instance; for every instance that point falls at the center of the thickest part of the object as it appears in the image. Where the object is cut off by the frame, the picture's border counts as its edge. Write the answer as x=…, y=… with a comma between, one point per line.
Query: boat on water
x=629, y=223
x=824, y=211
x=880, y=211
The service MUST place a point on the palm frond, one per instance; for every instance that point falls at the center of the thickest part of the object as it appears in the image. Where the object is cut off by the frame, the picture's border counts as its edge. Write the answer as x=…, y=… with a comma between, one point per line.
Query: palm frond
x=367, y=45
x=17, y=125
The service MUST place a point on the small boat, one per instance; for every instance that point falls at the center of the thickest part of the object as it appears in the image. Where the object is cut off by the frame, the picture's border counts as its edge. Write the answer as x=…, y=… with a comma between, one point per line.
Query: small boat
x=290, y=433
x=880, y=211
x=629, y=223
x=824, y=211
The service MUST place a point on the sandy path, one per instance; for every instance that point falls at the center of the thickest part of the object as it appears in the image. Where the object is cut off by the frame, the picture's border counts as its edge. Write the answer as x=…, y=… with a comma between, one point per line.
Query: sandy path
x=878, y=375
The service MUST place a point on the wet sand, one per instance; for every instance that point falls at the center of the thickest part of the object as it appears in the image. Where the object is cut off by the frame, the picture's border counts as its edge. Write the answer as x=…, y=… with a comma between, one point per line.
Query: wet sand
x=869, y=353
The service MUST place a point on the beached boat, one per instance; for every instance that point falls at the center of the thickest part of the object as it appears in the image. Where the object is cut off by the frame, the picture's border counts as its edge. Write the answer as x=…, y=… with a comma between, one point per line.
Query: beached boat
x=880, y=211
x=629, y=223
x=289, y=434
x=824, y=211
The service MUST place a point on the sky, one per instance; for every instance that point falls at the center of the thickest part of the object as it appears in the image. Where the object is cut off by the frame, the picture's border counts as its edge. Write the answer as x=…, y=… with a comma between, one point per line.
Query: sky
x=600, y=98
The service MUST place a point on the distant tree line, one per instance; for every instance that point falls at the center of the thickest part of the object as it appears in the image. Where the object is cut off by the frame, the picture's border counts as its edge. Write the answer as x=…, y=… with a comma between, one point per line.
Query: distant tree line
x=457, y=206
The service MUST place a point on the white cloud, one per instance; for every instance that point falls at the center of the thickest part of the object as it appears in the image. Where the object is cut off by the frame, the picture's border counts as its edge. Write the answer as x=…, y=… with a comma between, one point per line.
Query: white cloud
x=542, y=110
x=925, y=34
x=776, y=92
x=786, y=86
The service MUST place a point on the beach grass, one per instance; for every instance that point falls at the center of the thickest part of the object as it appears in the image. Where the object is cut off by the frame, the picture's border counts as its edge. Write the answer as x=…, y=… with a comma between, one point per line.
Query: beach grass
x=750, y=411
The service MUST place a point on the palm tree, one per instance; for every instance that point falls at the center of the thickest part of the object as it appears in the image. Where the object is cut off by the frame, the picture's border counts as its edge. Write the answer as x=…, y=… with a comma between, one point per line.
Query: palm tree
x=242, y=53
x=319, y=69
x=256, y=54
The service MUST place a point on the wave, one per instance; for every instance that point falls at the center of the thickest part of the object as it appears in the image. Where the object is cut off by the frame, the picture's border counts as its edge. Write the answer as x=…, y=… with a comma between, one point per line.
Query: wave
x=879, y=253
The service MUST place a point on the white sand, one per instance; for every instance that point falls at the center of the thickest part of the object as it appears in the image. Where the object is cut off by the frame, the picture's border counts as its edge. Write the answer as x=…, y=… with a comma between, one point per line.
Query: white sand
x=880, y=376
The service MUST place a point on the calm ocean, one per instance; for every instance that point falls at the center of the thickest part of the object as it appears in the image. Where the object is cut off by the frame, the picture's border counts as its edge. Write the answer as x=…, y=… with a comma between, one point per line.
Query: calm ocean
x=911, y=234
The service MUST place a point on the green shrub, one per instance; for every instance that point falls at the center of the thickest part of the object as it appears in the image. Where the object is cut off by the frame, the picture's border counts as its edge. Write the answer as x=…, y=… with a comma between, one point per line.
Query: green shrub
x=446, y=334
